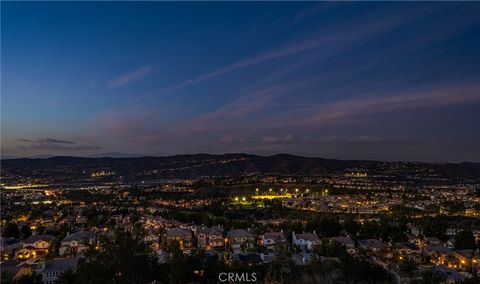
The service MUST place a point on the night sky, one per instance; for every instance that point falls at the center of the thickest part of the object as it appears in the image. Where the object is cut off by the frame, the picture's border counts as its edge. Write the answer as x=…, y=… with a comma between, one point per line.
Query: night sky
x=383, y=81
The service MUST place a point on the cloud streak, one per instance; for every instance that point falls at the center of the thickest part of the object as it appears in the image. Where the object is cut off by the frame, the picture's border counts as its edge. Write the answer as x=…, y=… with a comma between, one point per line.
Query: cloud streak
x=130, y=77
x=344, y=33
x=53, y=140
x=340, y=111
x=48, y=143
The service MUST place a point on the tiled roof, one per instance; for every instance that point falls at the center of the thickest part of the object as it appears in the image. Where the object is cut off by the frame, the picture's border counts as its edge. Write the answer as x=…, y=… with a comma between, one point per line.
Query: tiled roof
x=36, y=238
x=239, y=233
x=179, y=232
x=373, y=243
x=307, y=236
x=277, y=236
x=79, y=236
x=62, y=264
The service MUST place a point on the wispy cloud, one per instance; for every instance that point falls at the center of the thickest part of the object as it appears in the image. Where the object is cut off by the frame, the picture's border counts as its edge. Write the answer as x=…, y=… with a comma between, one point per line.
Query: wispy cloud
x=23, y=140
x=274, y=139
x=312, y=11
x=53, y=140
x=343, y=33
x=130, y=77
x=338, y=112
x=273, y=54
x=48, y=143
x=54, y=146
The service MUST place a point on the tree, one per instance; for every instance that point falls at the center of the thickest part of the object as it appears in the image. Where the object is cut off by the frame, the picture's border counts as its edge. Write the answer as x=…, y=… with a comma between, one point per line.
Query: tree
x=122, y=259
x=351, y=226
x=25, y=232
x=431, y=277
x=214, y=266
x=363, y=271
x=67, y=277
x=464, y=240
x=33, y=278
x=435, y=227
x=11, y=231
x=454, y=207
x=408, y=266
x=328, y=226
x=330, y=248
x=181, y=267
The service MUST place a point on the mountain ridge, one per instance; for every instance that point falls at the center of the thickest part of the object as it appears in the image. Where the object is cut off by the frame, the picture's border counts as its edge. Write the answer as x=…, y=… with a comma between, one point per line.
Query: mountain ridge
x=234, y=164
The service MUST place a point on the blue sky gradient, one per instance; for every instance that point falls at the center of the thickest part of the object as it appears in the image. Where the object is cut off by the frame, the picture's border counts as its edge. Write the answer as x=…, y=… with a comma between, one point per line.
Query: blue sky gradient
x=387, y=81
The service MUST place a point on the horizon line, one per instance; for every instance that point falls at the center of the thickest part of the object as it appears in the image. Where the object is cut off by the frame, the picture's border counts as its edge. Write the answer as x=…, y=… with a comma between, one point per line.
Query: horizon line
x=133, y=156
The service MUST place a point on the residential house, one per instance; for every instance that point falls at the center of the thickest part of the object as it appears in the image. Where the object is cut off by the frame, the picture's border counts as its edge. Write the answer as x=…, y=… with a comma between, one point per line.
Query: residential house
x=415, y=229
x=152, y=240
x=347, y=242
x=14, y=269
x=34, y=246
x=210, y=238
x=51, y=269
x=432, y=241
x=9, y=245
x=274, y=240
x=450, y=276
x=439, y=255
x=406, y=250
x=240, y=240
x=305, y=241
x=451, y=231
x=467, y=259
x=76, y=243
x=183, y=236
x=373, y=246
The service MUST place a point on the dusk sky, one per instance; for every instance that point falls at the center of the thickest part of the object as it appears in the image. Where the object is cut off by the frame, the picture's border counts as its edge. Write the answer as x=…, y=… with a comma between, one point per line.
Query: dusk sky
x=381, y=81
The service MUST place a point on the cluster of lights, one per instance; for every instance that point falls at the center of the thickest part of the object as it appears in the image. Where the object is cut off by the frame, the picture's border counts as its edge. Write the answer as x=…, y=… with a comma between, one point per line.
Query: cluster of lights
x=243, y=199
x=286, y=190
x=271, y=194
